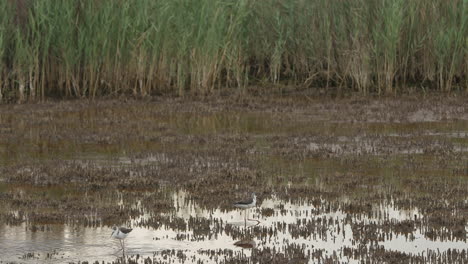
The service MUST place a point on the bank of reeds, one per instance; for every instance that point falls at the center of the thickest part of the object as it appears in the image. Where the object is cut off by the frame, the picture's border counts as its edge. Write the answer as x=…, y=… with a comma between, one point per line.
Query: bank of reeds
x=87, y=48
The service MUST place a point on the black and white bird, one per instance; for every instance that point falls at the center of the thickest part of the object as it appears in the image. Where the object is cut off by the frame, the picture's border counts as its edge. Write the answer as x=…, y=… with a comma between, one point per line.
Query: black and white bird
x=246, y=204
x=120, y=233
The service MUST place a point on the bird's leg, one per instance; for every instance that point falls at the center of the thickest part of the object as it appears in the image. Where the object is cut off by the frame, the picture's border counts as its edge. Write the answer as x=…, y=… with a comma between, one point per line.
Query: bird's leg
x=245, y=219
x=255, y=220
x=120, y=241
x=119, y=248
x=123, y=250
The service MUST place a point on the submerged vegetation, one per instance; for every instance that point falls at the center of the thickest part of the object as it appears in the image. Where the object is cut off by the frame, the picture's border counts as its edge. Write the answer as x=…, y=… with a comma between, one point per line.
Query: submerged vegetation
x=88, y=48
x=348, y=180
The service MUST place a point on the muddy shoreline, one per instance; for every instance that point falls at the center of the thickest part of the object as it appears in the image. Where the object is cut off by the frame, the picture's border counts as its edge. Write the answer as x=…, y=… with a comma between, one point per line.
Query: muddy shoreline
x=68, y=162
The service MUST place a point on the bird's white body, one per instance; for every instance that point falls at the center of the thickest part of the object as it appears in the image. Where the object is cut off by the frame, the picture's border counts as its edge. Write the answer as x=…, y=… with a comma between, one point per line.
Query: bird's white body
x=247, y=204
x=120, y=232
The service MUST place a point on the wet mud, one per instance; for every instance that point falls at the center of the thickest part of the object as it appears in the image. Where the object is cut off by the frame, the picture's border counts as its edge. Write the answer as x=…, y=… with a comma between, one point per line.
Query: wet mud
x=337, y=180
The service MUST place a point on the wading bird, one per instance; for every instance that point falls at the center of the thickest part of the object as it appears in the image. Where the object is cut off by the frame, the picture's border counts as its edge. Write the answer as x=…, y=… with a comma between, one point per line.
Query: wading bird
x=246, y=205
x=121, y=233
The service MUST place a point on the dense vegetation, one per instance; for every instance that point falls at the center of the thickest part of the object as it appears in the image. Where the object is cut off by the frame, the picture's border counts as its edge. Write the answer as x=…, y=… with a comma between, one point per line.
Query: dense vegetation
x=87, y=48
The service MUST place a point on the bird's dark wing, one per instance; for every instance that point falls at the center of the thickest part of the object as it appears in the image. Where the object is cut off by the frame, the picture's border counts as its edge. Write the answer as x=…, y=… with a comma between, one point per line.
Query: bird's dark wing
x=125, y=230
x=244, y=202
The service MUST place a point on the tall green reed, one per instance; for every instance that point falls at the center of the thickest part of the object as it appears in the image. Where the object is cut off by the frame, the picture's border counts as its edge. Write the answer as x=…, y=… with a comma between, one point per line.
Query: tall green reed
x=4, y=18
x=88, y=48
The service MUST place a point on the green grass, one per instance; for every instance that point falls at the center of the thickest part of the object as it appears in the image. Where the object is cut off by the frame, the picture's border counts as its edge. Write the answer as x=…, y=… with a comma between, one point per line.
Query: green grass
x=89, y=48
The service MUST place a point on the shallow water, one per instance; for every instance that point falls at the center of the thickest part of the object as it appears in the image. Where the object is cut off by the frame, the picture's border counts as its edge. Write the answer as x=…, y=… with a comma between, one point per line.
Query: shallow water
x=329, y=189
x=68, y=243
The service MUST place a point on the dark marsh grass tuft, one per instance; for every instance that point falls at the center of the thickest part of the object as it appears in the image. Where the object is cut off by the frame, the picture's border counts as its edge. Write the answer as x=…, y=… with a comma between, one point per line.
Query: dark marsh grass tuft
x=88, y=48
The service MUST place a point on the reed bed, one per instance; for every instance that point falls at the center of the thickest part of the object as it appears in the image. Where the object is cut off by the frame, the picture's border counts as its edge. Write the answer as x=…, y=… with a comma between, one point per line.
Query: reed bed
x=89, y=48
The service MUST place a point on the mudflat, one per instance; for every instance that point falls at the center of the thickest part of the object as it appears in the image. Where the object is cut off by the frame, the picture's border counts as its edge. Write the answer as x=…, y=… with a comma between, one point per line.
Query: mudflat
x=337, y=180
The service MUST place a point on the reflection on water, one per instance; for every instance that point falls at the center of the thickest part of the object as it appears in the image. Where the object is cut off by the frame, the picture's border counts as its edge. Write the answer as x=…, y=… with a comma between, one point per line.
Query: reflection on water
x=246, y=243
x=289, y=224
x=334, y=184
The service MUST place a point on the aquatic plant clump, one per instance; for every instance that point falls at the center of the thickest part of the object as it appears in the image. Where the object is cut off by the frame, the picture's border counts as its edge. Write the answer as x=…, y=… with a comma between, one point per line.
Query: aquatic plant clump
x=89, y=48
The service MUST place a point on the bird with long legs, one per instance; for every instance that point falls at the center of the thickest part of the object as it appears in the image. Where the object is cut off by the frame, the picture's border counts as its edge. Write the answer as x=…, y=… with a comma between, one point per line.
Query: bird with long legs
x=247, y=204
x=121, y=233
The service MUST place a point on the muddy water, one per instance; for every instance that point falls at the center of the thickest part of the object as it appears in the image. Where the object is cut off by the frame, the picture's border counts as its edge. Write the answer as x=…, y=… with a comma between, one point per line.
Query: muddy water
x=382, y=181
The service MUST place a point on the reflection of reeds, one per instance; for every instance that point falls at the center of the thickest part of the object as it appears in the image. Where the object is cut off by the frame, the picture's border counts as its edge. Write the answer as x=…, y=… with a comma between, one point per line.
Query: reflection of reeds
x=88, y=48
